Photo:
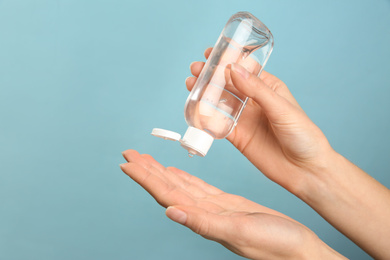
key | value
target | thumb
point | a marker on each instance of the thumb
(253, 87)
(202, 222)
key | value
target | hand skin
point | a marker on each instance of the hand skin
(282, 142)
(273, 132)
(276, 135)
(244, 227)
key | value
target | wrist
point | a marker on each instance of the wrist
(315, 248)
(326, 252)
(318, 176)
(345, 196)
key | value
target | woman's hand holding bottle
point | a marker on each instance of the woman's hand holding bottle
(273, 132)
(276, 135)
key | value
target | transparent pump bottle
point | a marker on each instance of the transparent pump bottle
(214, 104)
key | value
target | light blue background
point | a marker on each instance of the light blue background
(82, 81)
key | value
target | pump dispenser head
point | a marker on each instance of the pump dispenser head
(195, 141)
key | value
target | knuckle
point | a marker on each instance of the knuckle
(202, 227)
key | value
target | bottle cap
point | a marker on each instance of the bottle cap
(166, 134)
(195, 141)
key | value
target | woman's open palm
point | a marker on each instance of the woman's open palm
(242, 226)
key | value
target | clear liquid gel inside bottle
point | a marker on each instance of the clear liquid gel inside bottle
(214, 105)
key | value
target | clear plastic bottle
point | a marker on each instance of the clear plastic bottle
(214, 104)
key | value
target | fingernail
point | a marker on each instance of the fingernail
(176, 215)
(121, 165)
(240, 70)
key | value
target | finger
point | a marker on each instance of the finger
(277, 85)
(190, 82)
(192, 189)
(155, 164)
(252, 86)
(207, 52)
(267, 77)
(154, 167)
(161, 190)
(209, 225)
(138, 173)
(196, 67)
(151, 165)
(190, 179)
(147, 162)
(131, 155)
(149, 181)
(172, 177)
